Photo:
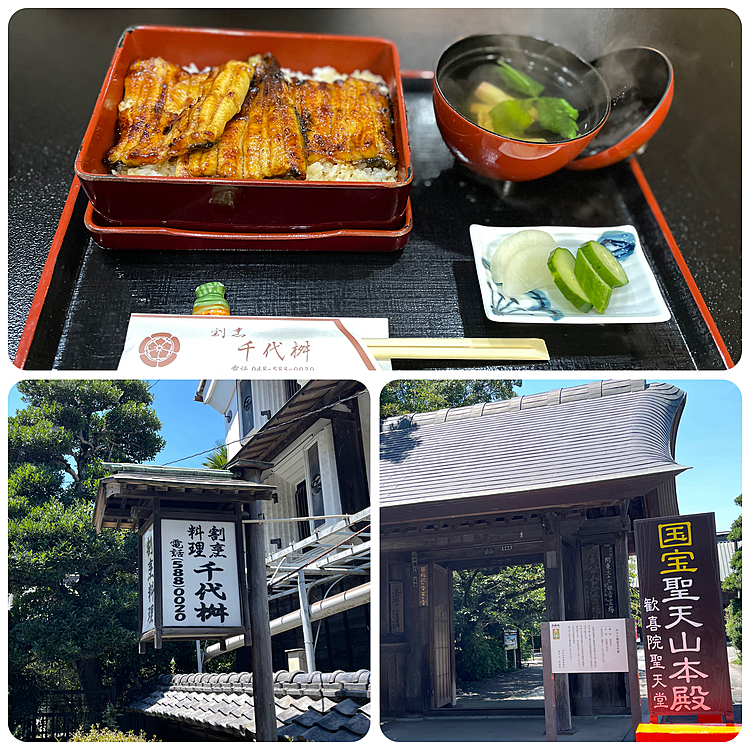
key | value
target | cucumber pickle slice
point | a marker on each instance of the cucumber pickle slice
(604, 263)
(596, 289)
(561, 264)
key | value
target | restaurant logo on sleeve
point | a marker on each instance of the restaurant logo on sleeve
(159, 349)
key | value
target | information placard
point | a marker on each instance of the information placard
(588, 646)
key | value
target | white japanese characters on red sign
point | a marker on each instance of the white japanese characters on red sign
(200, 582)
(588, 646)
(238, 346)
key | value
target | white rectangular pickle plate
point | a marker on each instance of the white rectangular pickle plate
(640, 301)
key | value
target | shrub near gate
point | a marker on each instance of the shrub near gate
(104, 734)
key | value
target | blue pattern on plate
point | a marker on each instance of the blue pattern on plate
(620, 244)
(534, 301)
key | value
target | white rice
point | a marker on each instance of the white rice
(329, 74)
(327, 171)
(320, 171)
(163, 169)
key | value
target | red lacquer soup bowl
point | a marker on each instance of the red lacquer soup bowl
(473, 61)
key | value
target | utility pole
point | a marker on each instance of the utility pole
(304, 609)
(260, 619)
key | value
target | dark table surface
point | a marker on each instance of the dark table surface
(58, 59)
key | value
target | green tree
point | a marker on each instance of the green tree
(485, 603)
(635, 597)
(733, 582)
(73, 611)
(217, 458)
(415, 396)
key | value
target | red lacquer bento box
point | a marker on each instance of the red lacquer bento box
(170, 238)
(243, 205)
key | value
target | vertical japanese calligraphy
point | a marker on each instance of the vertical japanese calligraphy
(148, 581)
(396, 594)
(422, 599)
(687, 670)
(200, 583)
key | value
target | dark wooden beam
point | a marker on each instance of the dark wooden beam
(497, 562)
(575, 609)
(555, 600)
(482, 551)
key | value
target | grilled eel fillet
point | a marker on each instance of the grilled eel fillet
(167, 111)
(346, 122)
(264, 141)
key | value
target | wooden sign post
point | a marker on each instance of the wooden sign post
(687, 669)
(201, 574)
(588, 646)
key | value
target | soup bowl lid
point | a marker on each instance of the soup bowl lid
(641, 85)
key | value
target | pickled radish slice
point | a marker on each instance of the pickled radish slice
(527, 270)
(526, 239)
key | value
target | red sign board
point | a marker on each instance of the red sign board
(687, 670)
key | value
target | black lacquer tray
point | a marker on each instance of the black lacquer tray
(80, 313)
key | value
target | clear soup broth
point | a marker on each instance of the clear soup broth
(565, 93)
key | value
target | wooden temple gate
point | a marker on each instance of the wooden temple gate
(580, 531)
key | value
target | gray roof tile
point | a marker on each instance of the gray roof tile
(316, 707)
(347, 707)
(617, 432)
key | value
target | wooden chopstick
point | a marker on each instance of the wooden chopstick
(468, 349)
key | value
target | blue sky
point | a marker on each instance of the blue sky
(708, 440)
(188, 426)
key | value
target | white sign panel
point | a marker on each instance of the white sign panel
(238, 346)
(200, 585)
(588, 646)
(148, 580)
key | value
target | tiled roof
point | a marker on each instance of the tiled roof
(310, 707)
(608, 439)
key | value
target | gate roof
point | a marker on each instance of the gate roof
(585, 445)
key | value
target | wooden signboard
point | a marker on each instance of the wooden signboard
(423, 597)
(396, 606)
(192, 582)
(687, 670)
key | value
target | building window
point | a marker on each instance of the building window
(315, 485)
(247, 421)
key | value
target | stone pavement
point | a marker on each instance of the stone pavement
(520, 691)
(522, 685)
(505, 729)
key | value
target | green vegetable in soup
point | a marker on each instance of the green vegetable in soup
(558, 116)
(527, 118)
(511, 118)
(519, 81)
